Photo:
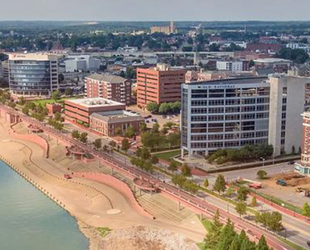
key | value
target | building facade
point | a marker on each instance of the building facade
(160, 84)
(80, 110)
(233, 66)
(233, 113)
(164, 29)
(33, 75)
(224, 114)
(82, 63)
(304, 167)
(289, 98)
(111, 87)
(109, 123)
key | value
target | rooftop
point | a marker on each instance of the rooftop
(94, 102)
(107, 78)
(272, 60)
(32, 56)
(241, 80)
(117, 116)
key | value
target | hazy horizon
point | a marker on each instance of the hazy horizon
(160, 10)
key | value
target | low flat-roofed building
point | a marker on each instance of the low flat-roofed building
(108, 123)
(79, 110)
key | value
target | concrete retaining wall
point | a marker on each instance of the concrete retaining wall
(118, 185)
(32, 138)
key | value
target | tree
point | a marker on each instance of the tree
(262, 244)
(236, 244)
(152, 107)
(214, 47)
(241, 208)
(254, 201)
(25, 110)
(145, 153)
(164, 108)
(143, 127)
(130, 132)
(83, 137)
(261, 174)
(173, 166)
(299, 150)
(56, 95)
(206, 183)
(230, 191)
(97, 143)
(214, 232)
(296, 55)
(251, 63)
(57, 116)
(220, 184)
(68, 91)
(125, 144)
(112, 144)
(306, 209)
(155, 127)
(242, 193)
(119, 131)
(275, 221)
(227, 236)
(154, 159)
(185, 170)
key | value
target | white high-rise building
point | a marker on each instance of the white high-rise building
(233, 113)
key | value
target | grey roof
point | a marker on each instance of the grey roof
(120, 117)
(238, 80)
(107, 78)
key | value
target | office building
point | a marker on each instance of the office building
(32, 75)
(224, 114)
(159, 84)
(111, 87)
(304, 167)
(233, 66)
(82, 63)
(164, 29)
(80, 110)
(110, 122)
(289, 98)
(233, 113)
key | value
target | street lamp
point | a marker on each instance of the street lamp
(263, 160)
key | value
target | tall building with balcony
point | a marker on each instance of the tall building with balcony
(110, 87)
(159, 84)
(32, 75)
(224, 114)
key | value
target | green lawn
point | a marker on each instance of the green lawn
(44, 102)
(104, 231)
(167, 155)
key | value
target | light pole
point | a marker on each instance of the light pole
(263, 160)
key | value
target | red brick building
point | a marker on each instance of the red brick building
(110, 87)
(160, 84)
(109, 123)
(79, 110)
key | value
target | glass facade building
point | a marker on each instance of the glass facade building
(224, 114)
(33, 75)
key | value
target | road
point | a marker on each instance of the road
(195, 202)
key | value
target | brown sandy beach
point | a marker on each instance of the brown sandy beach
(88, 201)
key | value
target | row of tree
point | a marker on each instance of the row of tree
(164, 108)
(82, 137)
(184, 183)
(248, 152)
(224, 237)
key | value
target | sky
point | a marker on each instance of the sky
(155, 10)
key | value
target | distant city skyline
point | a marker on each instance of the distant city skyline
(147, 10)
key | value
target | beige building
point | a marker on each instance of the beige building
(164, 29)
(289, 98)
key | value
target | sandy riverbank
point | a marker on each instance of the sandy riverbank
(86, 200)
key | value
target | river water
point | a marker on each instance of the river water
(31, 221)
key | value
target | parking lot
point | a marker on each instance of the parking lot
(160, 119)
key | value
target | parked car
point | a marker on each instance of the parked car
(147, 121)
(291, 163)
(154, 120)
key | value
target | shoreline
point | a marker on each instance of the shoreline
(89, 232)
(84, 199)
